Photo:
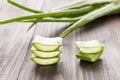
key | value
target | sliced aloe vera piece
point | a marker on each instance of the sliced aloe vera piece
(79, 56)
(89, 57)
(48, 41)
(93, 46)
(41, 61)
(46, 54)
(33, 55)
(47, 44)
(90, 49)
(43, 47)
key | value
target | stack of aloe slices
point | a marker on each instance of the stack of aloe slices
(89, 50)
(46, 51)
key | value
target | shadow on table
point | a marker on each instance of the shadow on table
(95, 67)
(46, 72)
(59, 31)
(98, 23)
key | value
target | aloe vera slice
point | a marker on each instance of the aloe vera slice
(41, 61)
(80, 56)
(90, 49)
(43, 47)
(47, 44)
(46, 54)
(89, 57)
(93, 46)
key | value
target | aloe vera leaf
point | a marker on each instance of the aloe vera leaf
(106, 10)
(23, 7)
(68, 13)
(82, 3)
(53, 20)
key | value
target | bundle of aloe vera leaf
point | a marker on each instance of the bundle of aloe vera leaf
(79, 12)
(46, 51)
(89, 50)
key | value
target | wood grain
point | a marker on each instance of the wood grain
(15, 44)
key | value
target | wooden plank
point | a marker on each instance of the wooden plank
(14, 41)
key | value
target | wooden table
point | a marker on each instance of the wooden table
(15, 44)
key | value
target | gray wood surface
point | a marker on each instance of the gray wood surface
(15, 44)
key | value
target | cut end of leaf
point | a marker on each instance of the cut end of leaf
(46, 62)
(92, 46)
